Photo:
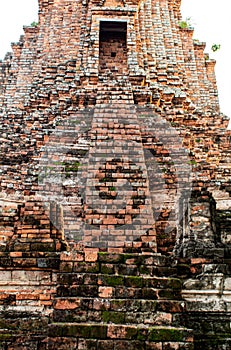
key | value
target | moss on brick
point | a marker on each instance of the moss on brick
(145, 270)
(114, 317)
(5, 336)
(110, 257)
(6, 324)
(131, 333)
(113, 280)
(78, 330)
(168, 294)
(167, 334)
(174, 283)
(118, 304)
(142, 334)
(128, 257)
(72, 330)
(107, 269)
(98, 331)
(134, 281)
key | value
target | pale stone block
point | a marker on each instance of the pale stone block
(5, 276)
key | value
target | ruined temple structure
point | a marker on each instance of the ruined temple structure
(115, 208)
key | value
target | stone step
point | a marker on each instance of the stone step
(114, 91)
(142, 305)
(39, 254)
(121, 269)
(145, 259)
(118, 280)
(129, 258)
(143, 334)
(140, 311)
(93, 336)
(117, 292)
(129, 264)
(108, 99)
(93, 344)
(123, 88)
(124, 317)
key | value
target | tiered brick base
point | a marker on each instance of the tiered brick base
(102, 301)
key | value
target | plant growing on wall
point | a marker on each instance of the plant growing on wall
(215, 47)
(185, 23)
(34, 24)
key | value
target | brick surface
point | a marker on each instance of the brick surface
(115, 183)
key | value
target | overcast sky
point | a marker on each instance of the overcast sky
(210, 18)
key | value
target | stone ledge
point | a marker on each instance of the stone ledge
(111, 331)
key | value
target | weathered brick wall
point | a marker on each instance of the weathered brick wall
(64, 92)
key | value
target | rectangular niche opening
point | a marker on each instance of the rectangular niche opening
(113, 47)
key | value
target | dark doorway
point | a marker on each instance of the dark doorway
(113, 47)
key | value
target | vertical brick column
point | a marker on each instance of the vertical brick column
(117, 203)
(210, 65)
(190, 65)
(201, 72)
(159, 42)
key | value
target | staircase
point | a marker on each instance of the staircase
(118, 301)
(124, 297)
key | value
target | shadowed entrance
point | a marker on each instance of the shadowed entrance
(113, 47)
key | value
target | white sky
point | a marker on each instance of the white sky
(210, 18)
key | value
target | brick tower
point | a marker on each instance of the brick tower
(115, 203)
